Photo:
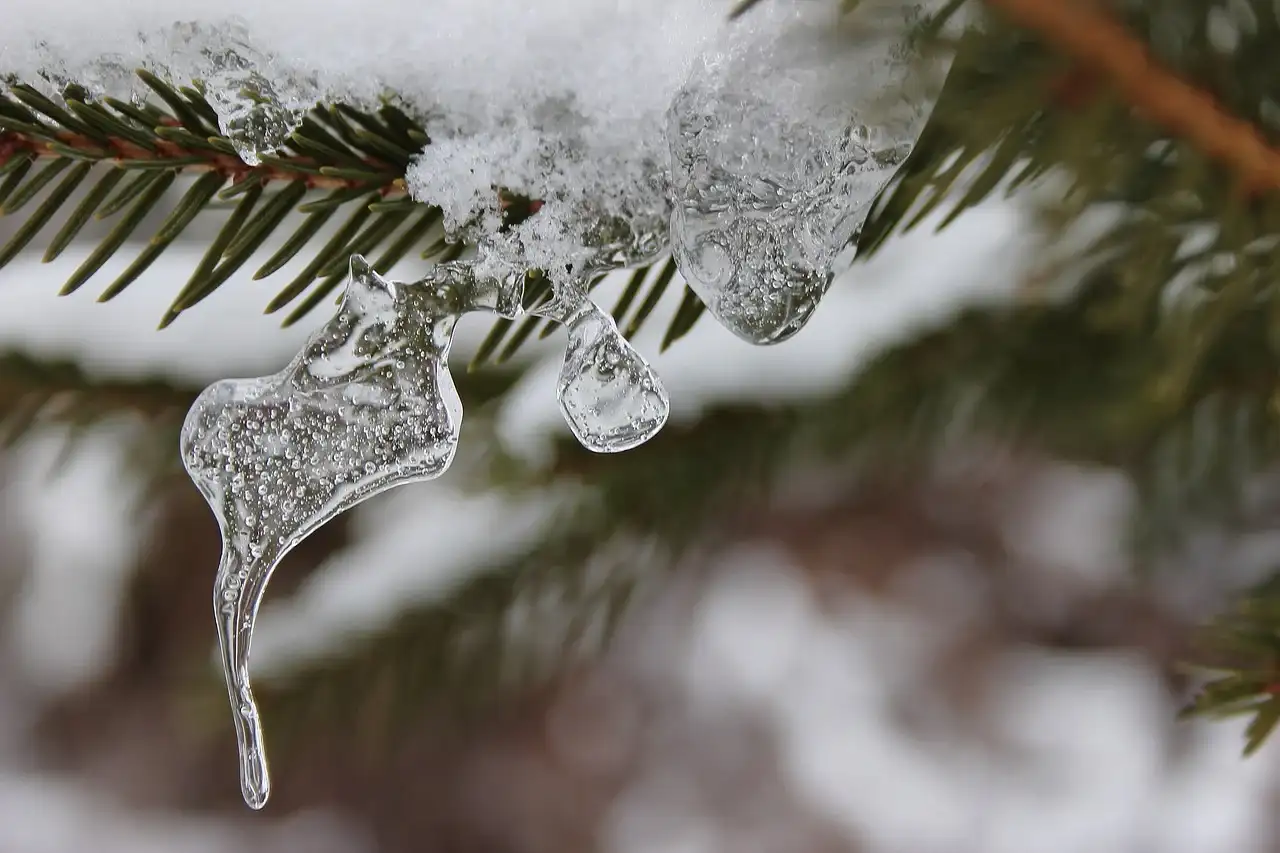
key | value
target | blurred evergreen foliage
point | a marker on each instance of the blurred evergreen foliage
(1144, 131)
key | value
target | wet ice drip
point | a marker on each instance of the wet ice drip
(368, 405)
(780, 139)
(251, 113)
(255, 114)
(609, 395)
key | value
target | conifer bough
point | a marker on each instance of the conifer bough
(994, 128)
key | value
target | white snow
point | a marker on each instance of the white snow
(471, 61)
(1074, 750)
(560, 100)
(412, 545)
(226, 335)
(1045, 517)
(66, 617)
(47, 814)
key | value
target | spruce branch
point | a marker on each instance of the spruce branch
(36, 393)
(339, 159)
(1089, 35)
(166, 153)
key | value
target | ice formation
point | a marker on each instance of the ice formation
(609, 395)
(368, 404)
(256, 114)
(753, 149)
(783, 124)
(780, 139)
(258, 101)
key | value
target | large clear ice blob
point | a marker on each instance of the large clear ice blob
(780, 139)
(368, 405)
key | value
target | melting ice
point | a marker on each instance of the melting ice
(368, 404)
(780, 139)
(256, 115)
(609, 395)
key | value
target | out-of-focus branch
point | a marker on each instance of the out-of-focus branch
(1088, 33)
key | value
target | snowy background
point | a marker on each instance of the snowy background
(966, 665)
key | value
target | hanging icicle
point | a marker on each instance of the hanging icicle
(368, 405)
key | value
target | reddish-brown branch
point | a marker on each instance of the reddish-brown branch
(1089, 35)
(13, 144)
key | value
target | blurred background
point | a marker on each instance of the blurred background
(823, 611)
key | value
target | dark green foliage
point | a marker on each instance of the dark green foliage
(156, 145)
(37, 392)
(340, 162)
(1241, 654)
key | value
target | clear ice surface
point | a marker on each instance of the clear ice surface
(780, 139)
(250, 113)
(254, 113)
(609, 395)
(367, 405)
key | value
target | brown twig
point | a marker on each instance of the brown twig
(13, 143)
(1091, 36)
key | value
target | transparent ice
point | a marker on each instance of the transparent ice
(610, 396)
(251, 114)
(258, 103)
(780, 139)
(254, 113)
(368, 404)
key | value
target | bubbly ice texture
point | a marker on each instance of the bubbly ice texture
(780, 139)
(368, 405)
(609, 395)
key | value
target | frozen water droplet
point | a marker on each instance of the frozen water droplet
(780, 139)
(610, 396)
(365, 429)
(251, 114)
(255, 113)
(256, 128)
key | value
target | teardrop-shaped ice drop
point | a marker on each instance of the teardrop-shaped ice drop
(780, 139)
(368, 405)
(610, 396)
